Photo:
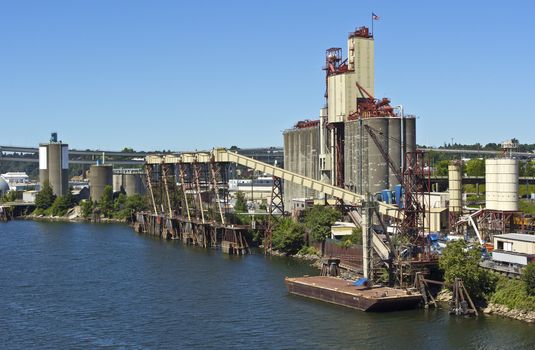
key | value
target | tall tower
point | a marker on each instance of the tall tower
(54, 165)
(341, 98)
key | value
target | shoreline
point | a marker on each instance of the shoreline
(313, 260)
(77, 219)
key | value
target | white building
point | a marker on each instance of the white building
(15, 179)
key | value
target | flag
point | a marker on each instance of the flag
(375, 17)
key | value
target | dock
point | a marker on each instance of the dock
(344, 293)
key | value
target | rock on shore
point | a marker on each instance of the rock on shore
(502, 310)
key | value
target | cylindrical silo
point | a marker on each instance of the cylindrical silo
(54, 166)
(410, 133)
(491, 184)
(507, 184)
(100, 176)
(118, 185)
(133, 184)
(394, 148)
(454, 181)
(377, 164)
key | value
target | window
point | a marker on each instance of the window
(500, 245)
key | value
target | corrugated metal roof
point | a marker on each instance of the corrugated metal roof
(517, 237)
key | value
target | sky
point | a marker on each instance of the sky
(192, 75)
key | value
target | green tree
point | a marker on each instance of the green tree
(106, 201)
(45, 197)
(10, 196)
(442, 168)
(241, 203)
(87, 208)
(318, 221)
(60, 206)
(475, 167)
(460, 261)
(528, 277)
(288, 236)
(136, 203)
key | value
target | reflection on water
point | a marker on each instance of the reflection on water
(103, 286)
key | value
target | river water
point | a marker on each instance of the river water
(91, 286)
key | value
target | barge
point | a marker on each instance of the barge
(345, 293)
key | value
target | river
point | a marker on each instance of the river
(92, 286)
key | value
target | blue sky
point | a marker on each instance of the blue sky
(198, 74)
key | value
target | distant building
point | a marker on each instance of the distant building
(15, 178)
(258, 188)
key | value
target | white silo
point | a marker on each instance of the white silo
(454, 184)
(501, 184)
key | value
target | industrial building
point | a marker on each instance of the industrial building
(54, 165)
(339, 148)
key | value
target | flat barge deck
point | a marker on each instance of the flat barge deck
(337, 291)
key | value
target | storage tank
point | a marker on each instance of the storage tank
(501, 184)
(118, 182)
(100, 176)
(455, 181)
(54, 166)
(377, 165)
(394, 148)
(133, 184)
(491, 184)
(507, 184)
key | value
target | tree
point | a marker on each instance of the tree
(442, 168)
(87, 208)
(528, 277)
(241, 203)
(45, 198)
(10, 196)
(288, 236)
(458, 260)
(60, 206)
(136, 203)
(318, 221)
(475, 167)
(106, 201)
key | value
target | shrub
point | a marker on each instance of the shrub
(288, 236)
(308, 250)
(513, 294)
(528, 277)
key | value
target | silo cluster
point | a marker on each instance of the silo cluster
(366, 169)
(128, 182)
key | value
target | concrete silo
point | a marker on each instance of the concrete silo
(100, 176)
(54, 165)
(133, 184)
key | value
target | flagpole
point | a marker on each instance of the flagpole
(372, 24)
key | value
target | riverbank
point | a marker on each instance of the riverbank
(73, 215)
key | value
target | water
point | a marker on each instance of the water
(84, 286)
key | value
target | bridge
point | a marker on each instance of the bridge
(478, 152)
(137, 158)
